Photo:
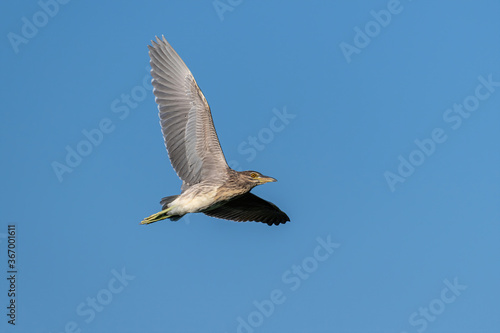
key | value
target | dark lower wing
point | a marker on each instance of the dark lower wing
(249, 207)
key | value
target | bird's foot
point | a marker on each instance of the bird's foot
(158, 216)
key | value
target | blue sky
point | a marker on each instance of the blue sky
(378, 118)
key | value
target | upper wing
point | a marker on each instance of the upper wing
(186, 121)
(249, 207)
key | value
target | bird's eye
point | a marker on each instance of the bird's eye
(253, 175)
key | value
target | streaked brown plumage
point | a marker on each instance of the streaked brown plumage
(209, 185)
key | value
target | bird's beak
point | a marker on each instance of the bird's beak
(265, 179)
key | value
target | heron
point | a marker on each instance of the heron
(209, 185)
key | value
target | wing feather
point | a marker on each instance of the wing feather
(249, 207)
(185, 118)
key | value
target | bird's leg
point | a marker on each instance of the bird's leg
(158, 216)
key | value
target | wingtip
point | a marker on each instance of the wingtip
(277, 221)
(157, 41)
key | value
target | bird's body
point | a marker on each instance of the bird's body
(207, 195)
(195, 200)
(209, 185)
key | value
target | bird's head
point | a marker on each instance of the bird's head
(256, 178)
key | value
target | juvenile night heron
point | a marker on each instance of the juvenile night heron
(209, 185)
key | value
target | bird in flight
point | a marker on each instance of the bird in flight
(209, 185)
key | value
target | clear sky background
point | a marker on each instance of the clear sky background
(386, 151)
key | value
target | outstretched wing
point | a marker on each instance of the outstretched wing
(249, 207)
(185, 118)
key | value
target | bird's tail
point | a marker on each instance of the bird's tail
(165, 201)
(164, 213)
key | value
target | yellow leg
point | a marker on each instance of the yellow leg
(157, 217)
